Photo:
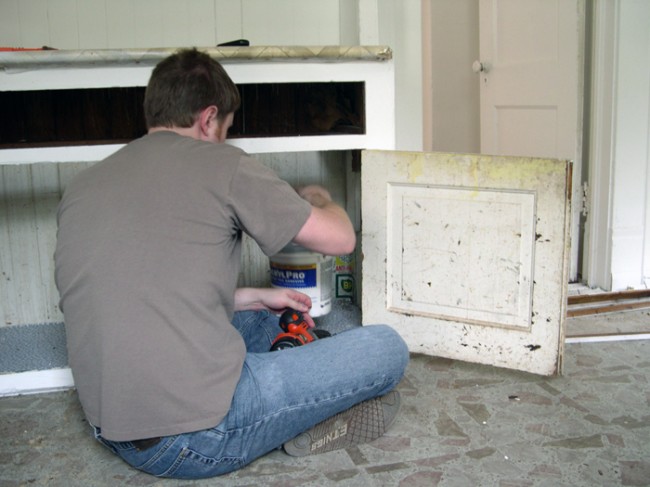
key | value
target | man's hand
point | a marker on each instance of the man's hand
(275, 300)
(316, 195)
(328, 230)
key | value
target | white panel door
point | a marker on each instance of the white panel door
(530, 82)
(467, 255)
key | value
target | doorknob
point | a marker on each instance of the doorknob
(479, 67)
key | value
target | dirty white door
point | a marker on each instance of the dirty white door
(467, 255)
(531, 74)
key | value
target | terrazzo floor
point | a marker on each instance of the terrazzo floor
(460, 425)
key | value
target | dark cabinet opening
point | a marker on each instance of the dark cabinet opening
(114, 115)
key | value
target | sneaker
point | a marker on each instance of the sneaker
(362, 423)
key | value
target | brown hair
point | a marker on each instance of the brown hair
(185, 83)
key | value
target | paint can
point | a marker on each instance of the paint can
(309, 272)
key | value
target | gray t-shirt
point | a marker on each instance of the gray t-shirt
(147, 261)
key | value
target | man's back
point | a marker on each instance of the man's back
(147, 263)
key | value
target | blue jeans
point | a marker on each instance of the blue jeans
(279, 395)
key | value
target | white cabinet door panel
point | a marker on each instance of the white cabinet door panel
(466, 255)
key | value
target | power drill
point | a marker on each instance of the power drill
(296, 331)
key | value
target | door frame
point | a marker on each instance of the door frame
(590, 253)
(599, 134)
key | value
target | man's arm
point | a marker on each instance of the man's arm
(275, 300)
(328, 230)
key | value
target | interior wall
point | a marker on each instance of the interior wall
(101, 24)
(452, 36)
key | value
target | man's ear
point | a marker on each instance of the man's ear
(207, 119)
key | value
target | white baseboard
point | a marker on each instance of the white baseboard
(36, 382)
(608, 338)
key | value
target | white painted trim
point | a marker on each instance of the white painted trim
(57, 154)
(368, 22)
(88, 153)
(36, 382)
(378, 77)
(609, 338)
(427, 76)
(598, 240)
(579, 160)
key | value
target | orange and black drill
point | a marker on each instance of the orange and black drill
(295, 331)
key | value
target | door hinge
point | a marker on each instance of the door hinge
(584, 203)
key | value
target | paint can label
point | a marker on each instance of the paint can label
(293, 276)
(344, 276)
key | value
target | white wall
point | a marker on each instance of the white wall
(98, 24)
(453, 121)
(630, 217)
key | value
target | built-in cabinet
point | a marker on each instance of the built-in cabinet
(306, 112)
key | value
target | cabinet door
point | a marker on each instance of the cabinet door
(467, 255)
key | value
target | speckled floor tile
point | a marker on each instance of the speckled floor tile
(461, 425)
